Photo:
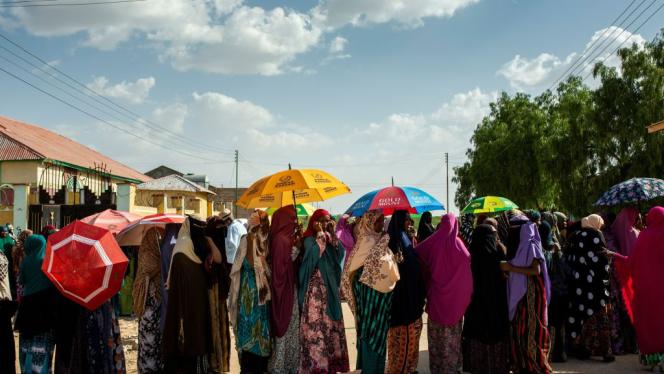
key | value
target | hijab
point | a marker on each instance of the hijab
(466, 229)
(641, 279)
(284, 277)
(344, 232)
(624, 231)
(451, 283)
(395, 229)
(425, 228)
(593, 221)
(184, 245)
(529, 250)
(148, 272)
(5, 290)
(315, 217)
(19, 251)
(31, 276)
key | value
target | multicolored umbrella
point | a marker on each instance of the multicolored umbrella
(632, 191)
(111, 220)
(133, 234)
(303, 210)
(301, 185)
(394, 198)
(489, 204)
(85, 264)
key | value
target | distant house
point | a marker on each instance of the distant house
(224, 198)
(46, 178)
(174, 194)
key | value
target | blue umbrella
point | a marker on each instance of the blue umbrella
(632, 191)
(394, 198)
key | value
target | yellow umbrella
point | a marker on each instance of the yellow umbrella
(285, 187)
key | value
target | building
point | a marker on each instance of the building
(171, 194)
(224, 198)
(46, 178)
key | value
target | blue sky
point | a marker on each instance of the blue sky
(365, 89)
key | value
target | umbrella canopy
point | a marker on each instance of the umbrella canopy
(85, 264)
(133, 234)
(303, 210)
(394, 198)
(632, 191)
(489, 204)
(276, 190)
(111, 220)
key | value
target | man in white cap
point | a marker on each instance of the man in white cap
(234, 234)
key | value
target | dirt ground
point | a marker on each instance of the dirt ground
(623, 364)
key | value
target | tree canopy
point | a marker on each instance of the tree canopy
(563, 149)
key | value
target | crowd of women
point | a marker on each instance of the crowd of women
(506, 293)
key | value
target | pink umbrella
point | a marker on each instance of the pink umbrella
(111, 220)
(133, 234)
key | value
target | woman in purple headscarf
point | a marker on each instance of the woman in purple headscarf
(528, 296)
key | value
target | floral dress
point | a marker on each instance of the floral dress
(253, 323)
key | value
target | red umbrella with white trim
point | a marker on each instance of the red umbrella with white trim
(85, 264)
(133, 234)
(112, 220)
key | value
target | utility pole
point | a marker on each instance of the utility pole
(237, 163)
(447, 181)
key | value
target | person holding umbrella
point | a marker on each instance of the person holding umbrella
(408, 300)
(319, 300)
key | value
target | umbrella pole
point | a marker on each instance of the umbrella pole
(297, 218)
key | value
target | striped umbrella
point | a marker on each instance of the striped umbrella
(133, 234)
(111, 220)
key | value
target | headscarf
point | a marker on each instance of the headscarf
(466, 229)
(530, 249)
(5, 290)
(149, 263)
(486, 318)
(503, 226)
(318, 214)
(31, 276)
(48, 230)
(256, 243)
(546, 235)
(19, 251)
(371, 252)
(396, 230)
(425, 228)
(344, 232)
(552, 220)
(593, 221)
(624, 231)
(533, 215)
(561, 220)
(451, 283)
(185, 246)
(641, 280)
(284, 277)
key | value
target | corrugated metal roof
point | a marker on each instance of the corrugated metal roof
(172, 183)
(12, 150)
(41, 143)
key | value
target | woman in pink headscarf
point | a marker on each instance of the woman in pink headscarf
(449, 288)
(642, 278)
(625, 230)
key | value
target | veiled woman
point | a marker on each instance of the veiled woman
(403, 339)
(449, 286)
(322, 334)
(369, 278)
(249, 296)
(284, 310)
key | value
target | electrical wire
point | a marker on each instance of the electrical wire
(58, 4)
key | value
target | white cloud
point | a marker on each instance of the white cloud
(338, 45)
(133, 92)
(217, 111)
(337, 13)
(534, 74)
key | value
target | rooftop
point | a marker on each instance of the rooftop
(173, 182)
(22, 141)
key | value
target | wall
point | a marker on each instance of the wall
(21, 172)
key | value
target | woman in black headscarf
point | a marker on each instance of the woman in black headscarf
(425, 229)
(486, 322)
(403, 339)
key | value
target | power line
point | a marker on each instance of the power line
(103, 100)
(624, 41)
(58, 4)
(96, 117)
(584, 57)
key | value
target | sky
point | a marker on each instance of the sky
(364, 89)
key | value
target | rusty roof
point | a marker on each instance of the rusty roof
(22, 141)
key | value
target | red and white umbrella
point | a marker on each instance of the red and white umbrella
(85, 264)
(111, 220)
(133, 234)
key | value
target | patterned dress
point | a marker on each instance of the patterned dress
(530, 336)
(404, 348)
(36, 353)
(149, 335)
(253, 323)
(286, 356)
(322, 340)
(444, 347)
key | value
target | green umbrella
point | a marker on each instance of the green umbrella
(303, 210)
(489, 204)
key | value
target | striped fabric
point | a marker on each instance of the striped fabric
(372, 315)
